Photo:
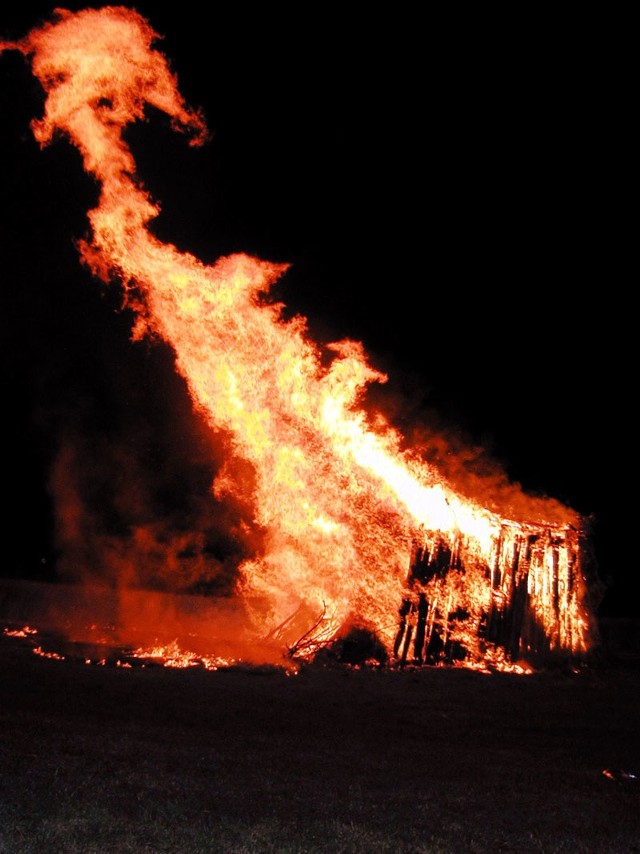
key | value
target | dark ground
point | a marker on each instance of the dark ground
(102, 758)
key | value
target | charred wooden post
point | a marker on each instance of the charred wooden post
(421, 627)
(402, 627)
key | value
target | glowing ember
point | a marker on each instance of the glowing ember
(25, 632)
(345, 508)
(44, 654)
(170, 655)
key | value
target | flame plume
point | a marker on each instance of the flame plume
(339, 498)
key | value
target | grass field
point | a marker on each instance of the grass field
(152, 759)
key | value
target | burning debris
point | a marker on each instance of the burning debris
(336, 506)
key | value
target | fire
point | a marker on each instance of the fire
(24, 632)
(38, 650)
(172, 655)
(345, 508)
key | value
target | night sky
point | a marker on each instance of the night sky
(450, 193)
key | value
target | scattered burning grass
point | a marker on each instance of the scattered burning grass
(333, 759)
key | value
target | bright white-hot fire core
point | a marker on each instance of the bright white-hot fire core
(340, 498)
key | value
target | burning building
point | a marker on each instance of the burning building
(347, 524)
(519, 603)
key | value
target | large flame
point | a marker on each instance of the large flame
(340, 498)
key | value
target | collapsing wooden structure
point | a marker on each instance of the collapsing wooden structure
(531, 600)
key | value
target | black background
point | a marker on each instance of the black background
(451, 191)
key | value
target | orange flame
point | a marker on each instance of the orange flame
(172, 655)
(24, 632)
(340, 501)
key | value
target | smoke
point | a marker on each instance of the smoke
(133, 496)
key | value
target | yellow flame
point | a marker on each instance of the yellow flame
(339, 502)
